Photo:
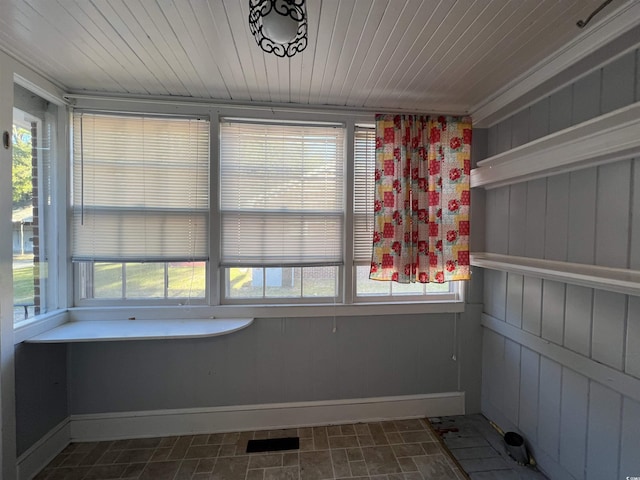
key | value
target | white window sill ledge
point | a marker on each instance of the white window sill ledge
(121, 330)
(122, 323)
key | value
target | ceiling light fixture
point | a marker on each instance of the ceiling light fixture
(279, 26)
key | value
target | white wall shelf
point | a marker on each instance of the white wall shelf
(607, 138)
(119, 330)
(618, 280)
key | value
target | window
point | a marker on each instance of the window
(282, 210)
(364, 183)
(142, 196)
(33, 214)
(140, 207)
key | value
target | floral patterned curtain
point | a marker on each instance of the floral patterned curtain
(422, 197)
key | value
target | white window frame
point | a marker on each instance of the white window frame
(347, 303)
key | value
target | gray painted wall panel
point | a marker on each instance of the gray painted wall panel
(618, 79)
(536, 210)
(603, 434)
(478, 226)
(573, 422)
(560, 104)
(517, 219)
(514, 299)
(549, 407)
(273, 360)
(582, 218)
(577, 323)
(529, 376)
(41, 391)
(630, 443)
(539, 119)
(637, 99)
(634, 256)
(557, 217)
(532, 305)
(612, 227)
(493, 369)
(497, 231)
(602, 221)
(609, 311)
(492, 145)
(586, 97)
(511, 390)
(495, 293)
(632, 361)
(504, 135)
(520, 128)
(553, 311)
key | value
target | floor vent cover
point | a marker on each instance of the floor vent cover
(273, 444)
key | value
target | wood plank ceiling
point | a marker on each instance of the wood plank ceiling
(418, 55)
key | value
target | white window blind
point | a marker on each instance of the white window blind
(281, 194)
(140, 188)
(364, 171)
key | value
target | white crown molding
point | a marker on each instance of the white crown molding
(620, 280)
(594, 37)
(607, 138)
(155, 423)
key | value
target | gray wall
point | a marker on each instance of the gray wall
(281, 360)
(579, 425)
(41, 391)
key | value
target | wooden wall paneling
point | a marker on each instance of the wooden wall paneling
(573, 422)
(612, 220)
(520, 128)
(634, 254)
(536, 213)
(582, 216)
(577, 322)
(539, 119)
(497, 229)
(477, 218)
(504, 135)
(553, 302)
(493, 368)
(514, 299)
(603, 435)
(511, 387)
(517, 219)
(532, 305)
(609, 313)
(632, 360)
(549, 407)
(629, 458)
(529, 389)
(637, 99)
(618, 83)
(586, 97)
(560, 104)
(495, 293)
(492, 147)
(557, 217)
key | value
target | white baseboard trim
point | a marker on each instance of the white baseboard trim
(44, 450)
(158, 423)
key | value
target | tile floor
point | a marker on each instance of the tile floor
(393, 450)
(480, 449)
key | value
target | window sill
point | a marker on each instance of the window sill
(124, 330)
